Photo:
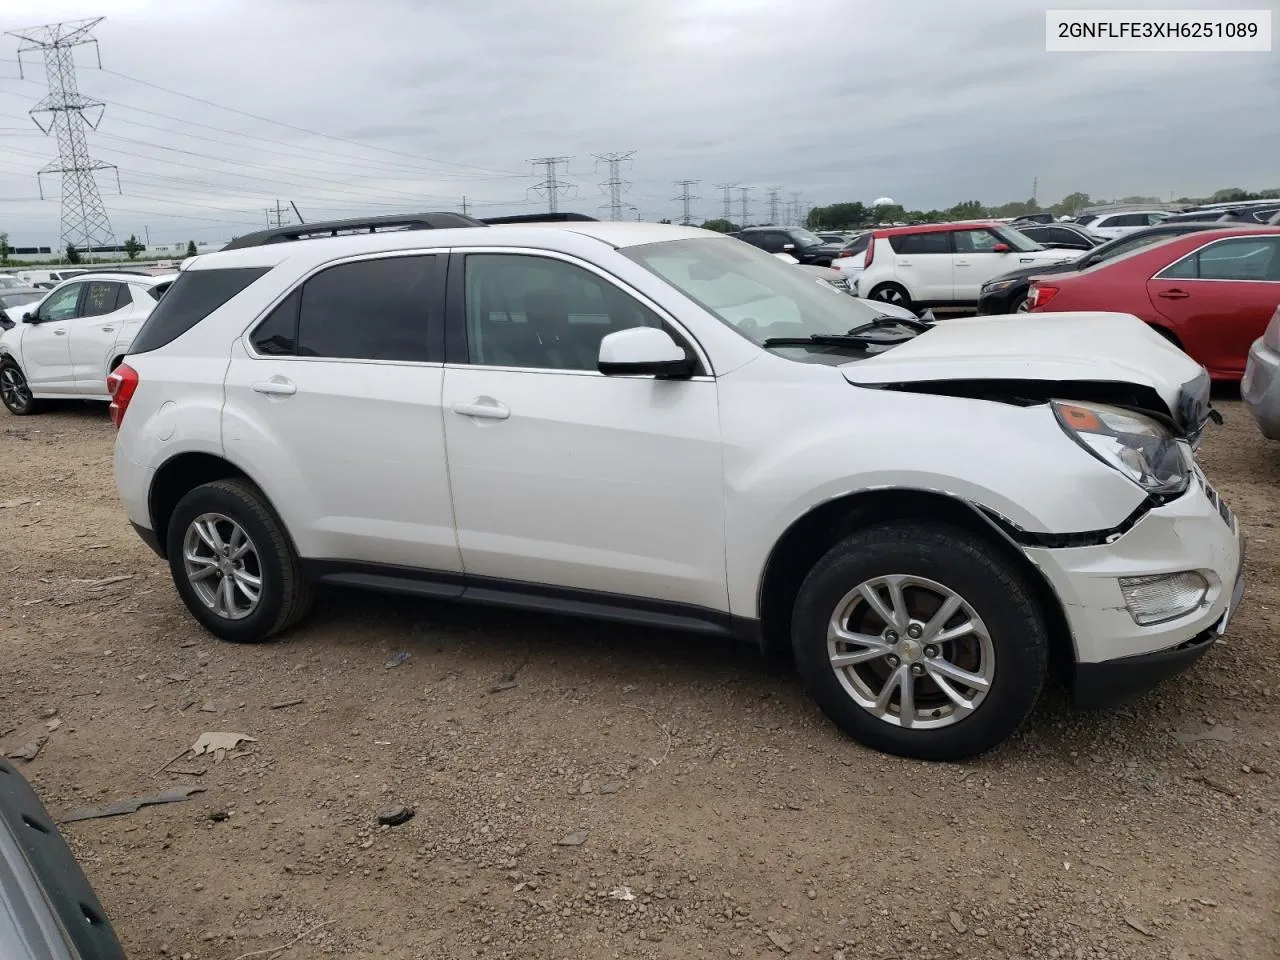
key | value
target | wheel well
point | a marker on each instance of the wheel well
(176, 478)
(809, 538)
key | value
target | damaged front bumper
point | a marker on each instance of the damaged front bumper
(1115, 656)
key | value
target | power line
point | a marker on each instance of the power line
(728, 188)
(84, 222)
(774, 202)
(685, 199)
(615, 186)
(552, 186)
(744, 194)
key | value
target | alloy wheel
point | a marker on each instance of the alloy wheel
(222, 565)
(13, 388)
(911, 652)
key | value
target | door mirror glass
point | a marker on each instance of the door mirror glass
(643, 351)
(1000, 248)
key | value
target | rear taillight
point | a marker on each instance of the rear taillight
(121, 383)
(871, 253)
(1041, 295)
(844, 253)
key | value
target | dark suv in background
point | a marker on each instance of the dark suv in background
(798, 242)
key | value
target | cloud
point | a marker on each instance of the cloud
(929, 101)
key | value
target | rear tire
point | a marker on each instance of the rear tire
(233, 563)
(15, 391)
(990, 650)
(891, 293)
(1021, 305)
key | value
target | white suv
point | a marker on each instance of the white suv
(64, 346)
(661, 425)
(1108, 226)
(942, 264)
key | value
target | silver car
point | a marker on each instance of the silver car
(1260, 388)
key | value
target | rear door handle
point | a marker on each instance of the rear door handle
(961, 263)
(483, 408)
(1174, 294)
(275, 387)
(61, 332)
(107, 329)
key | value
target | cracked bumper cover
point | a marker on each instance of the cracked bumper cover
(1115, 657)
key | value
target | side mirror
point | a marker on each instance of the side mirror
(788, 247)
(1000, 248)
(30, 318)
(643, 351)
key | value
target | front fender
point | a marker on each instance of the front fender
(1015, 462)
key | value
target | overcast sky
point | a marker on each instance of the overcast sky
(926, 101)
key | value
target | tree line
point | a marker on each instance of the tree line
(844, 216)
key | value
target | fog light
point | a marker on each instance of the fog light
(1164, 596)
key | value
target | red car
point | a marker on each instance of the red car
(1211, 293)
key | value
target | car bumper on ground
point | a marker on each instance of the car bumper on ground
(1115, 656)
(1260, 388)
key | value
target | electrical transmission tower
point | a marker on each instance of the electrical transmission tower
(744, 195)
(728, 189)
(551, 186)
(774, 202)
(615, 186)
(685, 199)
(85, 224)
(795, 218)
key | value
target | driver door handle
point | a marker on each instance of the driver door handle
(60, 332)
(482, 408)
(107, 329)
(1174, 294)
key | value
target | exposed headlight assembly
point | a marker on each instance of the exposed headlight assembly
(1139, 447)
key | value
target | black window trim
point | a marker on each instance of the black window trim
(1275, 237)
(456, 348)
(435, 312)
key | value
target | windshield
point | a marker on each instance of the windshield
(762, 297)
(805, 238)
(10, 282)
(1017, 239)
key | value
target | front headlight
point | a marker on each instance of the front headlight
(1138, 446)
(995, 285)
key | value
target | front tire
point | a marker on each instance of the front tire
(15, 392)
(233, 564)
(918, 640)
(891, 293)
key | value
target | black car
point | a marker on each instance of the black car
(1245, 213)
(1064, 236)
(1007, 293)
(805, 246)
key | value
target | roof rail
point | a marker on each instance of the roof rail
(336, 228)
(540, 218)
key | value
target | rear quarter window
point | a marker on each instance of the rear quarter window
(191, 298)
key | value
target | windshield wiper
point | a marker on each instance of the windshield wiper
(823, 340)
(884, 320)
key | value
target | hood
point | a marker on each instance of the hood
(1041, 269)
(1018, 358)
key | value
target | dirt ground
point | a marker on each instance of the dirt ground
(722, 815)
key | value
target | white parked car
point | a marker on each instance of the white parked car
(660, 425)
(44, 278)
(1108, 226)
(65, 345)
(942, 264)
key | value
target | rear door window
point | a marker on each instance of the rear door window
(99, 298)
(368, 310)
(936, 241)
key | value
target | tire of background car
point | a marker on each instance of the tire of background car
(220, 509)
(1019, 304)
(932, 566)
(15, 391)
(891, 293)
